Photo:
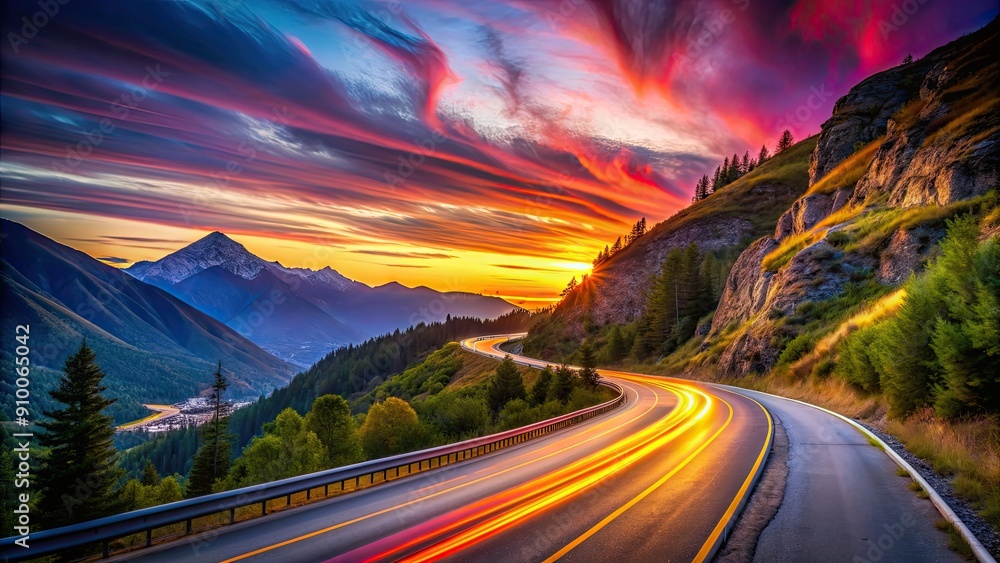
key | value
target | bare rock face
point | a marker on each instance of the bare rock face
(906, 252)
(900, 258)
(746, 287)
(751, 352)
(808, 211)
(861, 116)
(951, 150)
(815, 273)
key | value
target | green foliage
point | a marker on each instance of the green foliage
(941, 347)
(681, 293)
(137, 495)
(211, 463)
(428, 377)
(618, 345)
(454, 416)
(171, 452)
(564, 384)
(330, 419)
(855, 364)
(515, 413)
(542, 387)
(583, 397)
(505, 385)
(77, 477)
(588, 366)
(798, 347)
(391, 427)
(353, 370)
(150, 477)
(288, 448)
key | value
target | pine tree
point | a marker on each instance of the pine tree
(212, 461)
(745, 164)
(616, 246)
(616, 344)
(564, 384)
(784, 142)
(150, 477)
(716, 180)
(734, 169)
(540, 390)
(569, 287)
(724, 174)
(762, 156)
(505, 385)
(588, 366)
(700, 190)
(78, 477)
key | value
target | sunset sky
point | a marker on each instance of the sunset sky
(491, 147)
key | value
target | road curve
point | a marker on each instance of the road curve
(843, 498)
(655, 480)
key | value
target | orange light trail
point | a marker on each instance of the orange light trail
(502, 511)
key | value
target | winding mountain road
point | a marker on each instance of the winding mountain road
(658, 479)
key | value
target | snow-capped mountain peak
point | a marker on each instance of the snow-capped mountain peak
(217, 249)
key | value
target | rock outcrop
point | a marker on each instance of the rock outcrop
(940, 118)
(746, 287)
(808, 211)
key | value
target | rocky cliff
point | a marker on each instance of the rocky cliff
(905, 150)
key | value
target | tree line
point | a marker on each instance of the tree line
(734, 168)
(638, 229)
(80, 478)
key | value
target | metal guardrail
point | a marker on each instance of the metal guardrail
(104, 530)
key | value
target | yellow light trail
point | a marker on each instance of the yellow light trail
(507, 509)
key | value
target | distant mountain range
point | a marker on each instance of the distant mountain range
(298, 314)
(153, 347)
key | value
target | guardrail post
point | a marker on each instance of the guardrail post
(308, 494)
(232, 515)
(263, 507)
(187, 527)
(288, 499)
(104, 549)
(149, 537)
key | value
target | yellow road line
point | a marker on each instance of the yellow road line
(649, 490)
(432, 495)
(721, 526)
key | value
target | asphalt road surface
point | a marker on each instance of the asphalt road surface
(654, 480)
